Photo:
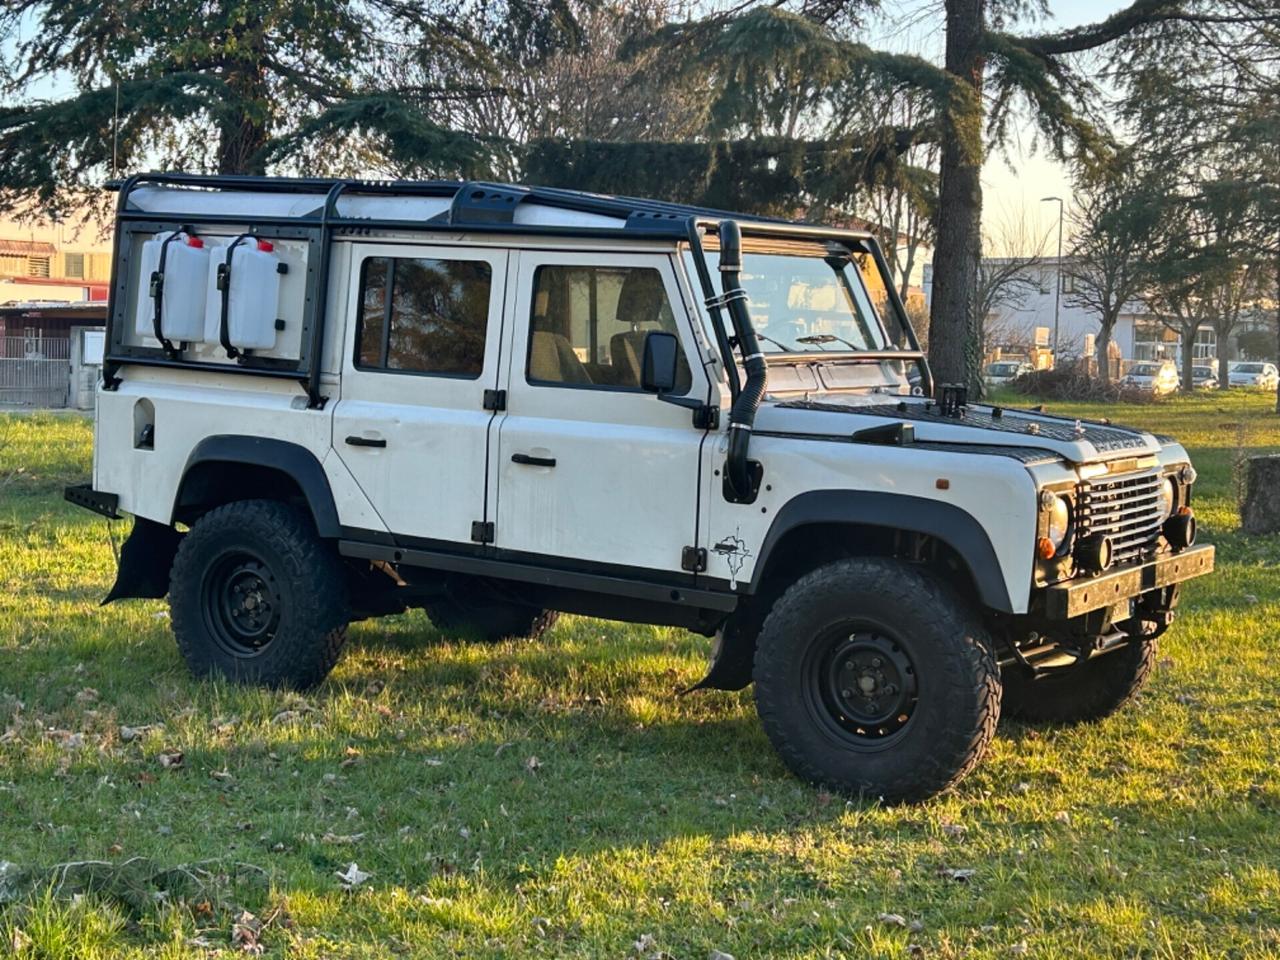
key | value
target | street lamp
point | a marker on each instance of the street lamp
(1057, 293)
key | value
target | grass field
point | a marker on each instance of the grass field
(559, 800)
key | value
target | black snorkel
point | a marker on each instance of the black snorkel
(741, 475)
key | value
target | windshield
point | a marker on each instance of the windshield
(1145, 370)
(1202, 372)
(1248, 368)
(811, 303)
(1002, 369)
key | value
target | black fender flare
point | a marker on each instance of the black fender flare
(953, 525)
(294, 461)
(734, 649)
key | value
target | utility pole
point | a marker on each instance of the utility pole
(1057, 291)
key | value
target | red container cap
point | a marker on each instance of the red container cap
(266, 246)
(195, 242)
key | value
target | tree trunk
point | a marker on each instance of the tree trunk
(1102, 346)
(1278, 322)
(955, 352)
(1189, 356)
(1224, 361)
(243, 131)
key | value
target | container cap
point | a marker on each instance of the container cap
(195, 242)
(266, 246)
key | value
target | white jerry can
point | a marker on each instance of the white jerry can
(250, 287)
(186, 274)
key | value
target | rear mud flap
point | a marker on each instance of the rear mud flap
(145, 560)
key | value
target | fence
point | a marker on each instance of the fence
(35, 371)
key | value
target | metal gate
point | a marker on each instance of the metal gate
(35, 371)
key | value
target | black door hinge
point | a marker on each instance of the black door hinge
(495, 399)
(706, 418)
(693, 559)
(482, 531)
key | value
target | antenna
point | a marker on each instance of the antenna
(115, 134)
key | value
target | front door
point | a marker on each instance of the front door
(421, 350)
(591, 469)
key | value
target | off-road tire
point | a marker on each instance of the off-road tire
(957, 680)
(489, 621)
(300, 573)
(1082, 693)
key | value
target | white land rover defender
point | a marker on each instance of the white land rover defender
(324, 400)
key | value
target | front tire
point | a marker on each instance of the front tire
(1085, 692)
(255, 596)
(876, 679)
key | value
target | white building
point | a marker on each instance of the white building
(1026, 318)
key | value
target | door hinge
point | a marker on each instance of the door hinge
(706, 417)
(693, 559)
(495, 399)
(482, 531)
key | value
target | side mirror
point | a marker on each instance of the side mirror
(661, 355)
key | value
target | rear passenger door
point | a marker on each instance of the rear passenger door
(591, 469)
(422, 347)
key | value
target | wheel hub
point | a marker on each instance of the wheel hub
(242, 606)
(866, 685)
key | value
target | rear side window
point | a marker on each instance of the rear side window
(419, 315)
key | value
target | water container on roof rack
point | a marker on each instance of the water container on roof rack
(176, 266)
(244, 286)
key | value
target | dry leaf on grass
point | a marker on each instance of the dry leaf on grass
(171, 759)
(352, 877)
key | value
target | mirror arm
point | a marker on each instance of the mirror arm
(705, 417)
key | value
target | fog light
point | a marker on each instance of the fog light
(1094, 553)
(1180, 529)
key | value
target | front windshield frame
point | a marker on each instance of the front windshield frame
(851, 324)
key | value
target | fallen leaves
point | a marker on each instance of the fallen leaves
(171, 759)
(352, 877)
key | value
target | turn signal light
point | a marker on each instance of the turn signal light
(1046, 549)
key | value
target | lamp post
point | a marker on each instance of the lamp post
(1057, 292)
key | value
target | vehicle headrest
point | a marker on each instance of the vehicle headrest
(642, 297)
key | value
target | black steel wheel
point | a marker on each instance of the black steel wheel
(242, 603)
(257, 597)
(877, 679)
(862, 685)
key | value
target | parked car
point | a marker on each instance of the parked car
(1203, 378)
(328, 400)
(1005, 371)
(1158, 376)
(1250, 373)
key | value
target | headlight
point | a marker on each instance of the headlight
(1059, 520)
(1168, 495)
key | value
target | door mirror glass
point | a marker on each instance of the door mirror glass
(661, 357)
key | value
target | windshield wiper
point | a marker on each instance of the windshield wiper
(821, 338)
(781, 346)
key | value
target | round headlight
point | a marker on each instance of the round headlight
(1168, 495)
(1059, 521)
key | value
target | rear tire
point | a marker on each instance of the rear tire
(875, 679)
(1082, 693)
(489, 619)
(257, 597)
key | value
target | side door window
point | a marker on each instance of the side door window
(589, 324)
(424, 345)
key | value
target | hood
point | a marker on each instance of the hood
(832, 414)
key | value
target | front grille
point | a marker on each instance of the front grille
(1126, 509)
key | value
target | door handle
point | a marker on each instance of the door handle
(366, 441)
(528, 461)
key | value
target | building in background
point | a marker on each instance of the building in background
(1024, 319)
(51, 264)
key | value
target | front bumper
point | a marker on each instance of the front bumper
(1074, 597)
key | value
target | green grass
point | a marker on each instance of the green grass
(646, 817)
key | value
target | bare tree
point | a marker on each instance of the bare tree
(1007, 278)
(1113, 226)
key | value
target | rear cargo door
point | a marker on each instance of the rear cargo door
(421, 350)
